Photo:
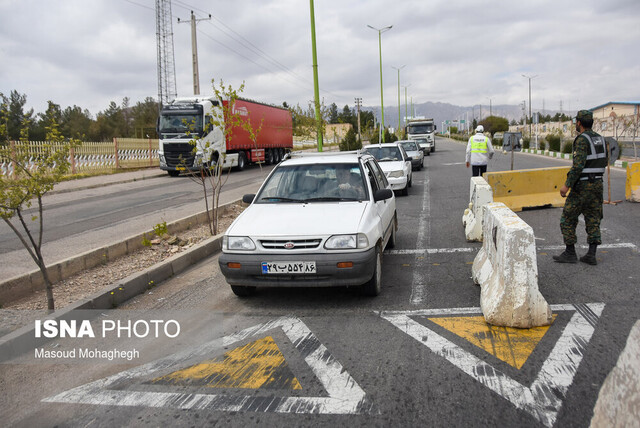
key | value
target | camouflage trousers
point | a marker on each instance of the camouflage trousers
(586, 199)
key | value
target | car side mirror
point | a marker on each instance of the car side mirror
(409, 158)
(382, 194)
(247, 199)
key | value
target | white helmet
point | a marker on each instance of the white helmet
(480, 128)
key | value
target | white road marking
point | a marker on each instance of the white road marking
(344, 394)
(420, 277)
(423, 251)
(544, 398)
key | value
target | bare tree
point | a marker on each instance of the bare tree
(33, 174)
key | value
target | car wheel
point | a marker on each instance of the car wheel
(410, 180)
(392, 239)
(405, 191)
(433, 149)
(374, 285)
(428, 152)
(242, 291)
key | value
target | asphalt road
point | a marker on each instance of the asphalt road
(83, 220)
(413, 356)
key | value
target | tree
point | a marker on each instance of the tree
(145, 115)
(346, 116)
(75, 122)
(493, 124)
(227, 121)
(34, 174)
(333, 113)
(350, 141)
(16, 115)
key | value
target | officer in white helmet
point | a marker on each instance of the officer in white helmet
(479, 151)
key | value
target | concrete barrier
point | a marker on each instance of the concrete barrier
(618, 402)
(480, 195)
(507, 271)
(632, 190)
(528, 188)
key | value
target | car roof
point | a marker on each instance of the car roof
(394, 144)
(303, 158)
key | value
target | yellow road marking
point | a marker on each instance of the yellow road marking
(259, 364)
(511, 345)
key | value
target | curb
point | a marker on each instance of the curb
(97, 185)
(23, 339)
(25, 284)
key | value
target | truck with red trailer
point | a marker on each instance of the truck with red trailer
(191, 136)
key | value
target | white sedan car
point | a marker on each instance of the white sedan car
(318, 220)
(395, 163)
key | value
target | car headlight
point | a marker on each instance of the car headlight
(396, 174)
(347, 242)
(238, 243)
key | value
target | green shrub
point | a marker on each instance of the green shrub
(567, 147)
(526, 142)
(497, 142)
(543, 145)
(554, 142)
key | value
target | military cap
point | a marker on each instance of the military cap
(584, 114)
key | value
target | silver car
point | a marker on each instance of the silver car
(413, 150)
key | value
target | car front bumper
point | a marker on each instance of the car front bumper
(327, 274)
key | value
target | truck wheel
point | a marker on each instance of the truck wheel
(173, 173)
(242, 161)
(374, 285)
(280, 154)
(269, 157)
(242, 291)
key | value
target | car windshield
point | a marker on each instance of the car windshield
(385, 154)
(410, 146)
(420, 129)
(314, 183)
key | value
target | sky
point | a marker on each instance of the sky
(91, 52)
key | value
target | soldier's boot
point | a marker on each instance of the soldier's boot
(568, 256)
(590, 257)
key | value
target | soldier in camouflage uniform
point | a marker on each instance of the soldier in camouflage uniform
(585, 181)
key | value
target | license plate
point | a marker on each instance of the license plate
(289, 267)
(181, 168)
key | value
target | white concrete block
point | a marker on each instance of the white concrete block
(481, 194)
(507, 270)
(618, 402)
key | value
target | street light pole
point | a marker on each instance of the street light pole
(380, 31)
(530, 118)
(316, 91)
(399, 68)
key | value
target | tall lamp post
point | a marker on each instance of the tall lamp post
(380, 31)
(399, 68)
(530, 118)
(316, 91)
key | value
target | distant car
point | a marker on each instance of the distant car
(414, 152)
(395, 163)
(426, 146)
(318, 220)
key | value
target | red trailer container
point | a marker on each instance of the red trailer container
(274, 130)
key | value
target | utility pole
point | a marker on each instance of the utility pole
(316, 89)
(399, 68)
(194, 51)
(380, 31)
(358, 103)
(530, 117)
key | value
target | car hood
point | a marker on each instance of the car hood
(391, 165)
(285, 219)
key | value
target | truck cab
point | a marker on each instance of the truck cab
(424, 132)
